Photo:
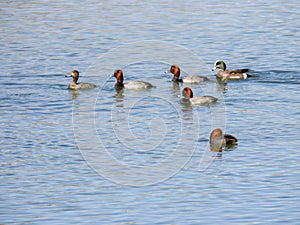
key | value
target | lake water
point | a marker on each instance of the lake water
(141, 157)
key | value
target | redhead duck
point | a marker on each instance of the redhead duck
(218, 140)
(75, 86)
(175, 70)
(198, 100)
(229, 74)
(118, 74)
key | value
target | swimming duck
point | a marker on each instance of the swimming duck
(219, 140)
(198, 100)
(229, 74)
(75, 86)
(175, 70)
(135, 84)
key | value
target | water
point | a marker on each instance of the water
(153, 167)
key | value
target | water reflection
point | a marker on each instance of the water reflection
(222, 87)
(119, 96)
(176, 89)
(74, 93)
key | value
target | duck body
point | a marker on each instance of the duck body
(202, 100)
(218, 140)
(197, 100)
(229, 140)
(229, 74)
(74, 85)
(232, 74)
(194, 79)
(175, 70)
(134, 85)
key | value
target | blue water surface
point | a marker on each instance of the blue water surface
(47, 172)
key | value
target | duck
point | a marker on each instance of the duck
(135, 84)
(218, 140)
(198, 100)
(74, 85)
(175, 70)
(229, 74)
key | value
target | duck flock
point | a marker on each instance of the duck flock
(218, 140)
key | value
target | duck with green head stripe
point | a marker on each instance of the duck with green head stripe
(229, 74)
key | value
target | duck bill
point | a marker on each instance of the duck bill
(167, 71)
(214, 68)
